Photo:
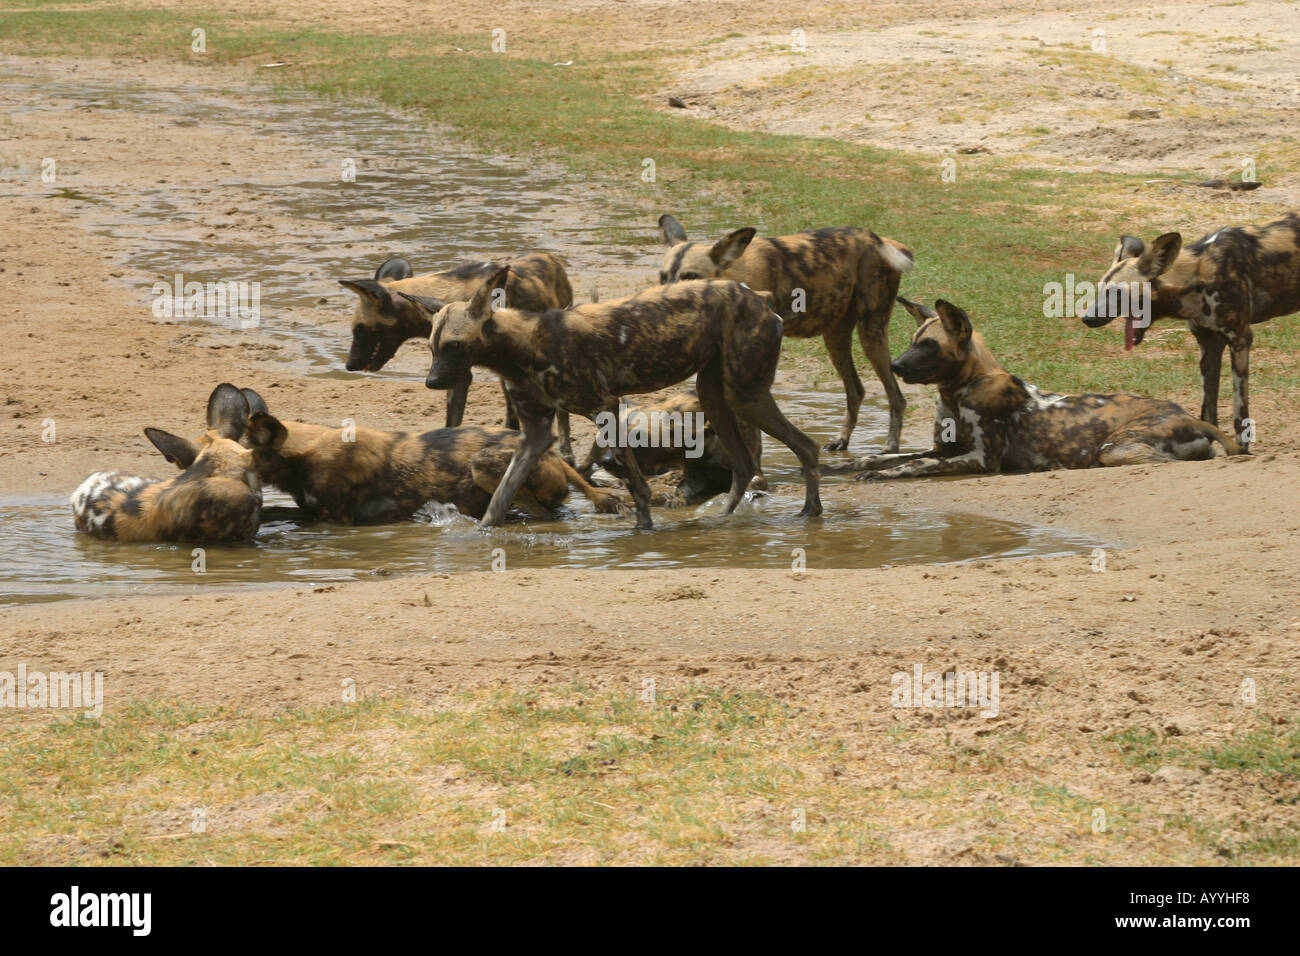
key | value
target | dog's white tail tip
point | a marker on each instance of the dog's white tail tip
(897, 259)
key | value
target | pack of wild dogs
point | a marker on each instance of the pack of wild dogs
(719, 313)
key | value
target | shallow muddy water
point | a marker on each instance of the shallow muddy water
(423, 194)
(43, 560)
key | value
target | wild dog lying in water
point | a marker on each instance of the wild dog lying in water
(705, 468)
(825, 282)
(987, 420)
(364, 476)
(383, 320)
(1221, 285)
(216, 498)
(585, 358)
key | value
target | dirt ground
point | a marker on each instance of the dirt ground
(1198, 593)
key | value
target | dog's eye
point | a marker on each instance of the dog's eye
(688, 276)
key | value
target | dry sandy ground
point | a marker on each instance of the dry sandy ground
(1054, 82)
(1198, 595)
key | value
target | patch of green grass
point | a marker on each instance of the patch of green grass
(1270, 749)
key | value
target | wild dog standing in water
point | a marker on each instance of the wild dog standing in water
(825, 282)
(705, 469)
(987, 420)
(1221, 285)
(585, 358)
(217, 498)
(366, 476)
(383, 320)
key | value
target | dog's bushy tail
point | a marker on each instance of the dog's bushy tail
(896, 255)
(606, 502)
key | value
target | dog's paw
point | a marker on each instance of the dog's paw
(836, 444)
(608, 504)
(867, 476)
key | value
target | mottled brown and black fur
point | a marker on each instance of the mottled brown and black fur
(217, 498)
(704, 475)
(988, 420)
(366, 476)
(1226, 282)
(824, 282)
(585, 358)
(382, 319)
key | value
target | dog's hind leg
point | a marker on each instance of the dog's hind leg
(457, 396)
(762, 410)
(708, 385)
(839, 344)
(873, 333)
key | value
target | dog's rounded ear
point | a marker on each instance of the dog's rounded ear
(425, 302)
(1130, 247)
(491, 295)
(265, 433)
(922, 313)
(955, 321)
(181, 452)
(1164, 250)
(227, 411)
(394, 267)
(729, 248)
(256, 404)
(671, 230)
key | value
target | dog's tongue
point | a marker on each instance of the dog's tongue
(1130, 333)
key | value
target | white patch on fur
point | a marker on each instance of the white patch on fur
(895, 259)
(1040, 400)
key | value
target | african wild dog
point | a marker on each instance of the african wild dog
(1221, 285)
(383, 320)
(364, 476)
(216, 498)
(825, 282)
(987, 420)
(704, 473)
(585, 358)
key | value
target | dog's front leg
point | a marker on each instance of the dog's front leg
(1212, 344)
(971, 463)
(636, 482)
(874, 462)
(1239, 345)
(537, 438)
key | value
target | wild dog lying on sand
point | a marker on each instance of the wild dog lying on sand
(585, 358)
(383, 320)
(1221, 285)
(216, 498)
(987, 420)
(705, 467)
(825, 282)
(364, 476)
